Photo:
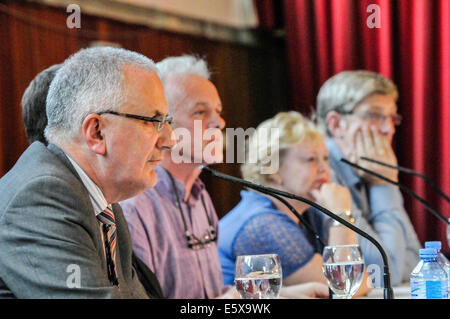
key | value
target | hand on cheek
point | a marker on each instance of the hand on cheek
(333, 196)
(370, 143)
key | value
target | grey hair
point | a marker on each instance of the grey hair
(33, 104)
(181, 66)
(343, 91)
(90, 81)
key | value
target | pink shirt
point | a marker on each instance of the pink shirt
(157, 232)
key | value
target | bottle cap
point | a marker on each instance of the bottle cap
(433, 244)
(427, 252)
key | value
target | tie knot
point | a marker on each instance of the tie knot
(107, 217)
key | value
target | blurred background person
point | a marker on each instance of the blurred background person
(262, 225)
(358, 112)
(33, 104)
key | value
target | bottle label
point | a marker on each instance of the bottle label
(417, 289)
(435, 289)
(429, 289)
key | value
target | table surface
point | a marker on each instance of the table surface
(401, 291)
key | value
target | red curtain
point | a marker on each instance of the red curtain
(412, 47)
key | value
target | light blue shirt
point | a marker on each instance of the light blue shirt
(378, 210)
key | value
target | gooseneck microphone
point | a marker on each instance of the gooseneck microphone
(299, 216)
(388, 292)
(403, 187)
(411, 172)
(302, 221)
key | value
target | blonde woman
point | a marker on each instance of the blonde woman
(259, 224)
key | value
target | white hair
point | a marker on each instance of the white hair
(293, 129)
(180, 67)
(90, 81)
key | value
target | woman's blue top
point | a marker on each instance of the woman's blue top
(256, 226)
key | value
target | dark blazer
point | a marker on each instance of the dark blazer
(50, 241)
(148, 279)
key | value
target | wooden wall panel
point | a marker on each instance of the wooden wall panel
(251, 80)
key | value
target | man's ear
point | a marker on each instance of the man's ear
(335, 124)
(93, 135)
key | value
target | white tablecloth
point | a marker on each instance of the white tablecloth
(402, 291)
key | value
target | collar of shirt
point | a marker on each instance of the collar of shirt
(95, 194)
(346, 170)
(164, 186)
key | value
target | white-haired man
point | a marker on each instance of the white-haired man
(358, 111)
(174, 225)
(61, 235)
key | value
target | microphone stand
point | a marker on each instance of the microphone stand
(300, 217)
(403, 187)
(388, 292)
(411, 172)
(303, 221)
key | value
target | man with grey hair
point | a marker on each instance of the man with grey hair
(33, 104)
(174, 225)
(61, 233)
(358, 112)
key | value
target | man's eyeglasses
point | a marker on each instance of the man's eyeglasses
(193, 241)
(159, 119)
(377, 117)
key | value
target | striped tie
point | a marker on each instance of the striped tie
(110, 238)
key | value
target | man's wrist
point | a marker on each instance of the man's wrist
(345, 215)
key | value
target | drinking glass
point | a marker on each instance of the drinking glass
(343, 266)
(258, 276)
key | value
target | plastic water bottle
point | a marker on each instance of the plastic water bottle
(428, 279)
(448, 233)
(441, 259)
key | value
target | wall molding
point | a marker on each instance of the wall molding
(156, 19)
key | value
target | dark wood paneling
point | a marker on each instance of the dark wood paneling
(251, 80)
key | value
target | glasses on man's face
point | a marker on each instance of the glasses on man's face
(195, 243)
(158, 119)
(377, 118)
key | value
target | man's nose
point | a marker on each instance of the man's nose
(387, 127)
(217, 121)
(167, 138)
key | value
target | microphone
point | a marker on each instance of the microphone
(305, 223)
(403, 187)
(300, 217)
(411, 172)
(388, 292)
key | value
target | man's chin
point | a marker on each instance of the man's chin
(153, 179)
(137, 186)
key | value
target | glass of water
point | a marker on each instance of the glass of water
(258, 276)
(343, 266)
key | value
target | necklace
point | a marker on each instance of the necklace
(193, 241)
